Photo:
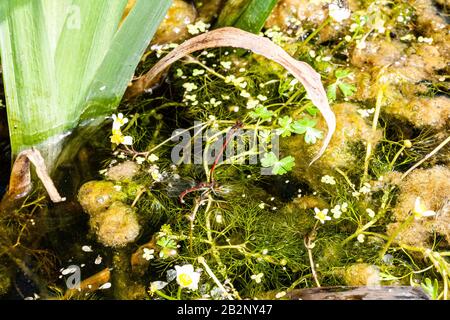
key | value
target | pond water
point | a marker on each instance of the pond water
(203, 187)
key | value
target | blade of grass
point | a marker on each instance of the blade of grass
(81, 49)
(28, 74)
(126, 50)
(248, 15)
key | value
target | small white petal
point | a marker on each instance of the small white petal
(106, 285)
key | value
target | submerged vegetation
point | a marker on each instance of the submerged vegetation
(140, 225)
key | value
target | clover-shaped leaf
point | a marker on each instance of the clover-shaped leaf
(262, 113)
(279, 167)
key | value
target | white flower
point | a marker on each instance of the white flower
(370, 212)
(245, 94)
(198, 27)
(252, 103)
(140, 160)
(280, 294)
(86, 249)
(328, 179)
(127, 140)
(257, 277)
(344, 207)
(365, 189)
(361, 237)
(148, 254)
(337, 13)
(365, 113)
(197, 72)
(189, 86)
(265, 251)
(420, 210)
(361, 44)
(336, 211)
(98, 260)
(153, 158)
(425, 40)
(118, 121)
(321, 215)
(187, 277)
(261, 97)
(226, 64)
(157, 285)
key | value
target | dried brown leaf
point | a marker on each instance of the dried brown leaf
(233, 37)
(20, 183)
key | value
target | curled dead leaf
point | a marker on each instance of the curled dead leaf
(20, 183)
(233, 37)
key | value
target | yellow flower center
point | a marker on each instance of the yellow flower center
(185, 280)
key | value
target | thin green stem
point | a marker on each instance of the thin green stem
(402, 227)
(163, 295)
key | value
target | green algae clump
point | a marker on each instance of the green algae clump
(124, 171)
(432, 186)
(361, 274)
(351, 129)
(97, 196)
(5, 281)
(117, 226)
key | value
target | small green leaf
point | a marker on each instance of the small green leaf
(284, 165)
(262, 113)
(301, 126)
(312, 134)
(279, 167)
(347, 89)
(269, 159)
(285, 126)
(312, 110)
(431, 288)
(166, 242)
(306, 126)
(331, 92)
(341, 74)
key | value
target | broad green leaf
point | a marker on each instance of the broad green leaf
(248, 15)
(82, 47)
(124, 54)
(60, 56)
(28, 74)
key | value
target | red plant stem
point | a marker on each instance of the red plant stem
(230, 134)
